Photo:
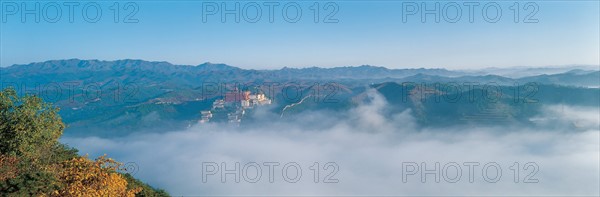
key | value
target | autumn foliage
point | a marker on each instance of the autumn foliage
(8, 167)
(83, 177)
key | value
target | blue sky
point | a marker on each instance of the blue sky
(367, 32)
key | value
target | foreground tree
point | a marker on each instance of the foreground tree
(28, 126)
(34, 163)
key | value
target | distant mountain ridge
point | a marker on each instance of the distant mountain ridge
(522, 71)
(160, 73)
(151, 95)
(77, 65)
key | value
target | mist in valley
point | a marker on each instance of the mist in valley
(365, 151)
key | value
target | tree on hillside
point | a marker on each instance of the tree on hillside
(34, 163)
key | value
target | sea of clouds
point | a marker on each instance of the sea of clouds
(364, 152)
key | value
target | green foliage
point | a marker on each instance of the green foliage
(30, 183)
(28, 126)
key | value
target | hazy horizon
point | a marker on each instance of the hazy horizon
(596, 66)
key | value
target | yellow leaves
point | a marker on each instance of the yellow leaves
(83, 177)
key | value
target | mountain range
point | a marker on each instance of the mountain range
(133, 95)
